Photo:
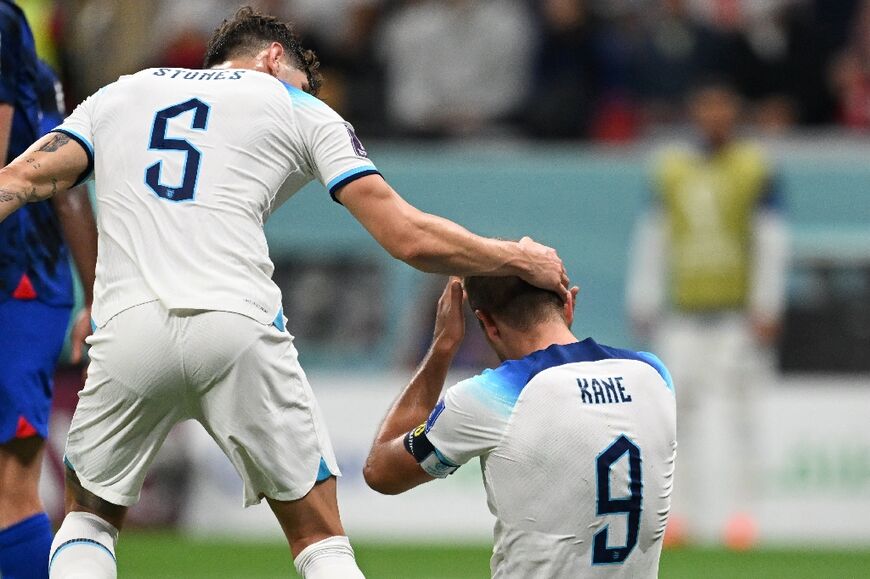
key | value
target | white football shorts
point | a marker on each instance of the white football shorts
(152, 368)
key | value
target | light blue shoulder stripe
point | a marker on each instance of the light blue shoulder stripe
(659, 366)
(494, 390)
(300, 95)
(349, 173)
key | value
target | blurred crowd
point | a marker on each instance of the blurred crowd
(603, 70)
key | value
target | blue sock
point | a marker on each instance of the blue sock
(24, 548)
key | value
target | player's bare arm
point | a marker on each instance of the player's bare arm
(7, 111)
(53, 163)
(390, 469)
(437, 245)
(76, 217)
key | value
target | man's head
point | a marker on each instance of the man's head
(269, 44)
(517, 317)
(715, 108)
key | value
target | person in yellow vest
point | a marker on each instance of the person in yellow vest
(706, 285)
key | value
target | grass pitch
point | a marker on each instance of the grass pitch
(164, 555)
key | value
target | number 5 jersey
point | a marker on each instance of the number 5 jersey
(188, 165)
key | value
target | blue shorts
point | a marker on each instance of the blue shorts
(31, 339)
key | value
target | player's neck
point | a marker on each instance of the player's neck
(240, 63)
(538, 338)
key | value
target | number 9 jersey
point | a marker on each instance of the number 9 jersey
(577, 445)
(188, 166)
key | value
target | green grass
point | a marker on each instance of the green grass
(156, 556)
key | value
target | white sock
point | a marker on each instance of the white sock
(83, 548)
(330, 558)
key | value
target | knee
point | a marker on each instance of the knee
(20, 466)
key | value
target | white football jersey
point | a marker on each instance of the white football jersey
(188, 165)
(577, 445)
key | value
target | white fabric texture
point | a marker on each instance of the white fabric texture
(83, 548)
(187, 177)
(152, 368)
(330, 558)
(539, 458)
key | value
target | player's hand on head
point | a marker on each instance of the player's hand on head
(450, 318)
(545, 268)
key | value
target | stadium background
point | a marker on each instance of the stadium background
(526, 118)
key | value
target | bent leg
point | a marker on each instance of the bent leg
(84, 546)
(316, 537)
(30, 341)
(25, 530)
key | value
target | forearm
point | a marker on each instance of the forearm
(428, 242)
(419, 397)
(51, 164)
(438, 245)
(645, 286)
(770, 267)
(79, 227)
(14, 193)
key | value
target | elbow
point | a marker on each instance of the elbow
(414, 242)
(376, 480)
(13, 180)
(417, 251)
(410, 251)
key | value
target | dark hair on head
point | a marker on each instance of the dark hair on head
(246, 33)
(512, 300)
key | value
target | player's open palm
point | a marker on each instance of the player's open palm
(545, 268)
(450, 319)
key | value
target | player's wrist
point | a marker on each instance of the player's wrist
(444, 346)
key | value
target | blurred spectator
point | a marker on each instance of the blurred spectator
(42, 17)
(456, 67)
(850, 74)
(706, 283)
(342, 32)
(559, 69)
(565, 81)
(674, 50)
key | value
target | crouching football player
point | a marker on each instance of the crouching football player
(576, 440)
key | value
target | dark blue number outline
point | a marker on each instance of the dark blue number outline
(158, 141)
(632, 506)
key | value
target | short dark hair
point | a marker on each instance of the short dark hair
(246, 33)
(512, 300)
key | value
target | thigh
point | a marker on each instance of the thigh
(31, 339)
(133, 396)
(256, 403)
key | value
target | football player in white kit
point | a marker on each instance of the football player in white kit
(576, 440)
(188, 165)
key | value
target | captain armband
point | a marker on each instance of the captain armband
(426, 455)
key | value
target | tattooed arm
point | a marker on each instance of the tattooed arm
(53, 163)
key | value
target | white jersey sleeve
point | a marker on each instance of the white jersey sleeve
(335, 154)
(469, 421)
(79, 127)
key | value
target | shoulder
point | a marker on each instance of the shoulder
(309, 104)
(488, 386)
(672, 160)
(647, 358)
(750, 156)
